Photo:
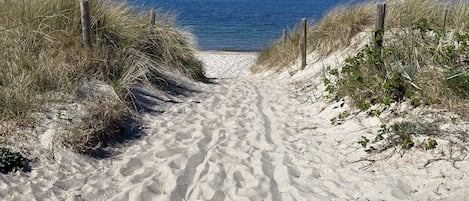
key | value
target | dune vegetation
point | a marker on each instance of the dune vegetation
(424, 57)
(43, 61)
(337, 28)
(424, 60)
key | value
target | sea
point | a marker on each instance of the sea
(240, 25)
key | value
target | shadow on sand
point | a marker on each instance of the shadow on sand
(151, 100)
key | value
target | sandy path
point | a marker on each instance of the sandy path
(238, 139)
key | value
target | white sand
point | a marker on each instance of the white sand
(227, 64)
(245, 139)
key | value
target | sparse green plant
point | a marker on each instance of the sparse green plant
(379, 137)
(334, 121)
(375, 113)
(59, 115)
(415, 102)
(405, 130)
(364, 141)
(402, 134)
(407, 142)
(364, 106)
(383, 130)
(430, 144)
(340, 117)
(402, 114)
(344, 114)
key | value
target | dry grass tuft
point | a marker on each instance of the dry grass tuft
(333, 32)
(85, 136)
(42, 57)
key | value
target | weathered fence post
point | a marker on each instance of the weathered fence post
(303, 43)
(86, 22)
(152, 18)
(379, 29)
(284, 36)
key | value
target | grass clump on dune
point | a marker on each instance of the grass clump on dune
(424, 58)
(337, 28)
(43, 59)
(423, 61)
(334, 31)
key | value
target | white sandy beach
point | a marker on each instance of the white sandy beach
(247, 138)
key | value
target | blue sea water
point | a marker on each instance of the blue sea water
(240, 25)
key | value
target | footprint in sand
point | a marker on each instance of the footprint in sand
(132, 165)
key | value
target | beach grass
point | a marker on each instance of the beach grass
(43, 59)
(336, 29)
(423, 61)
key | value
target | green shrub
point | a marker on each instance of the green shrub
(392, 74)
(363, 79)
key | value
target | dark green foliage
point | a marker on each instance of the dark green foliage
(406, 142)
(11, 161)
(390, 74)
(381, 132)
(379, 137)
(458, 81)
(395, 87)
(453, 57)
(374, 113)
(402, 134)
(415, 102)
(363, 79)
(414, 128)
(340, 118)
(364, 106)
(423, 26)
(430, 144)
(364, 141)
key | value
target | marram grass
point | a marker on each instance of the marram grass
(336, 29)
(424, 58)
(43, 58)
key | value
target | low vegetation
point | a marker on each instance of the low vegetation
(424, 61)
(339, 26)
(43, 60)
(403, 134)
(424, 68)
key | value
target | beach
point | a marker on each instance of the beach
(239, 137)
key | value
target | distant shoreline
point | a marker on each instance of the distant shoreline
(229, 50)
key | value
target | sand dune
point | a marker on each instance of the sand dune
(243, 138)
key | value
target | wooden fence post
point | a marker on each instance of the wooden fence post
(86, 23)
(379, 29)
(152, 18)
(284, 38)
(303, 42)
